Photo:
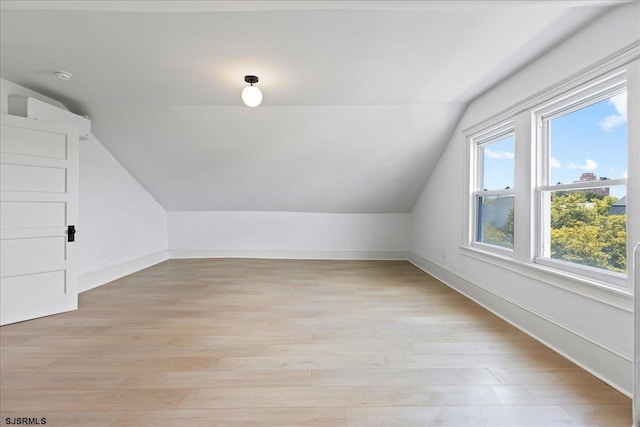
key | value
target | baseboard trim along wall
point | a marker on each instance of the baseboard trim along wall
(337, 255)
(602, 361)
(93, 280)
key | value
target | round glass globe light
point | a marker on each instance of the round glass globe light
(251, 96)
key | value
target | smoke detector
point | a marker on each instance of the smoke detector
(63, 75)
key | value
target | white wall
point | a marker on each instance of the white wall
(122, 228)
(289, 235)
(596, 335)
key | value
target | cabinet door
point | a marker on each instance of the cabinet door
(38, 203)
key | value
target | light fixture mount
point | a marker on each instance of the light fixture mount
(251, 95)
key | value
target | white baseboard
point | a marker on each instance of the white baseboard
(114, 272)
(346, 255)
(602, 361)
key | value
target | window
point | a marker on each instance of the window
(547, 191)
(493, 188)
(582, 180)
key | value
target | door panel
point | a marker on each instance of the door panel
(38, 200)
(32, 214)
(33, 142)
(15, 251)
(30, 288)
(33, 179)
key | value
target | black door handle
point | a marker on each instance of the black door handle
(71, 233)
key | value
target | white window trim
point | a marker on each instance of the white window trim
(523, 259)
(580, 285)
(584, 185)
(475, 143)
(589, 93)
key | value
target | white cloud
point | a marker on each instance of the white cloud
(589, 165)
(498, 154)
(625, 174)
(612, 121)
(554, 163)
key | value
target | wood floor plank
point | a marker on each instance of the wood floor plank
(263, 417)
(61, 381)
(237, 342)
(471, 360)
(341, 349)
(461, 416)
(247, 339)
(301, 362)
(219, 379)
(479, 348)
(149, 364)
(100, 340)
(288, 397)
(134, 352)
(91, 400)
(399, 377)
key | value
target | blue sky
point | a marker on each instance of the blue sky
(592, 139)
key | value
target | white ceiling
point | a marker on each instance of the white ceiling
(360, 97)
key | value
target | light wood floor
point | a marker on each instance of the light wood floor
(290, 343)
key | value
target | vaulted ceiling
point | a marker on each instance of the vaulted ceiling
(360, 97)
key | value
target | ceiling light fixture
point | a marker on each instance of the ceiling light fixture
(63, 75)
(251, 95)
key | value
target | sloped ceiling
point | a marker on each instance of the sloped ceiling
(359, 96)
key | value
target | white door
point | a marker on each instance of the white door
(38, 203)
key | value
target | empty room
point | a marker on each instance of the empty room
(320, 213)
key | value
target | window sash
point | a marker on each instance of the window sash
(478, 142)
(543, 253)
(482, 140)
(583, 185)
(576, 100)
(477, 219)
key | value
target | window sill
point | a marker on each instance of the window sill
(590, 288)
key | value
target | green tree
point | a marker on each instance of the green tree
(582, 231)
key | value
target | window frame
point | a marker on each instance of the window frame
(522, 260)
(582, 96)
(477, 142)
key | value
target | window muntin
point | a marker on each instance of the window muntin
(493, 188)
(583, 146)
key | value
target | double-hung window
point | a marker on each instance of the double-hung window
(582, 181)
(547, 192)
(493, 189)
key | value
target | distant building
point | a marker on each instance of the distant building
(590, 176)
(619, 207)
